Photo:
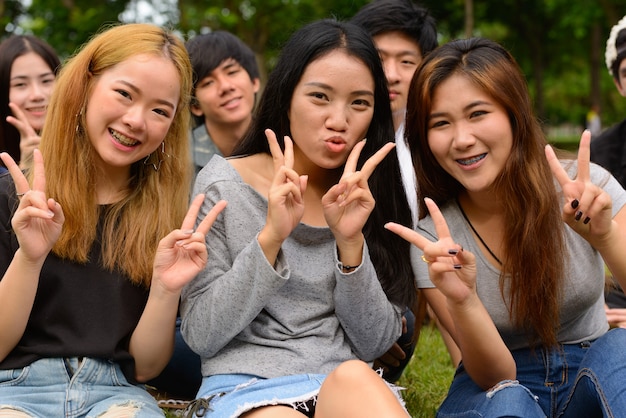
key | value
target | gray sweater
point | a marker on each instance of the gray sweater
(303, 315)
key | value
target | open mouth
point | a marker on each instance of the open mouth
(122, 139)
(472, 160)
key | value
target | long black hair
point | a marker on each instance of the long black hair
(389, 253)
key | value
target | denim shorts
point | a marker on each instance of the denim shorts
(230, 395)
(73, 387)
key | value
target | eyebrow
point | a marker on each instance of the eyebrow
(465, 109)
(19, 77)
(327, 87)
(135, 89)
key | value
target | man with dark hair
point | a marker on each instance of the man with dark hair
(403, 33)
(226, 80)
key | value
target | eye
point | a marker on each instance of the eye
(362, 104)
(437, 124)
(478, 113)
(18, 85)
(48, 80)
(206, 83)
(123, 93)
(318, 95)
(162, 112)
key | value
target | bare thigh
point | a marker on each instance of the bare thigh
(278, 411)
(13, 413)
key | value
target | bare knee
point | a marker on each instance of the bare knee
(125, 410)
(10, 412)
(351, 372)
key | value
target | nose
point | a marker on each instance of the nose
(37, 92)
(224, 84)
(134, 118)
(391, 71)
(464, 138)
(336, 119)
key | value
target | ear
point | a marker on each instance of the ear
(257, 84)
(195, 110)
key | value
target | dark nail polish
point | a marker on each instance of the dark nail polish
(453, 252)
(458, 266)
(579, 215)
(575, 203)
(587, 219)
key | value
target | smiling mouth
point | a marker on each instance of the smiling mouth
(473, 160)
(122, 139)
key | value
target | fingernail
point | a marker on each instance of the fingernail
(453, 252)
(575, 203)
(579, 215)
(458, 266)
(587, 219)
(187, 231)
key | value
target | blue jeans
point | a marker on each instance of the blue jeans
(72, 388)
(578, 380)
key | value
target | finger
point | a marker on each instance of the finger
(374, 160)
(39, 174)
(584, 156)
(192, 213)
(209, 219)
(353, 157)
(555, 166)
(277, 153)
(288, 155)
(441, 226)
(408, 234)
(21, 184)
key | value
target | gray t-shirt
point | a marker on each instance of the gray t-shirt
(582, 313)
(302, 315)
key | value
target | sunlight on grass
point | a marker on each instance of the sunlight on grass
(428, 375)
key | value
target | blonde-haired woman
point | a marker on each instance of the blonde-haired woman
(91, 272)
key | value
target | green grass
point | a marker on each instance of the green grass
(428, 375)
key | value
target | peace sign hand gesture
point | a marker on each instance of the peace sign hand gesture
(348, 204)
(29, 139)
(451, 269)
(38, 220)
(588, 208)
(286, 195)
(182, 254)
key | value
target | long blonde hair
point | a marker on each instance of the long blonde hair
(156, 201)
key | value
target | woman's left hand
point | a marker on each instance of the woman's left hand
(29, 139)
(588, 208)
(182, 254)
(348, 204)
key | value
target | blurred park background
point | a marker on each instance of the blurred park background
(559, 43)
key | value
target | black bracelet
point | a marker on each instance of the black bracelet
(348, 268)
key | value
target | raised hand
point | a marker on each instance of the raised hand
(348, 204)
(286, 194)
(451, 269)
(182, 254)
(588, 208)
(29, 138)
(38, 220)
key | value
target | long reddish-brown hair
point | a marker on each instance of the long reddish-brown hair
(534, 250)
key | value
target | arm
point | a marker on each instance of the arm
(180, 256)
(456, 303)
(37, 224)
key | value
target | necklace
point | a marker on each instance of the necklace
(476, 232)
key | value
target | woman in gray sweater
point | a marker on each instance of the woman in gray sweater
(304, 287)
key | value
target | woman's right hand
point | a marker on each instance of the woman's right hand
(38, 220)
(451, 269)
(29, 139)
(285, 201)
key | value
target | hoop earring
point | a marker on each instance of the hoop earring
(160, 158)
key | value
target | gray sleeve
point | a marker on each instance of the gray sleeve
(229, 293)
(370, 321)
